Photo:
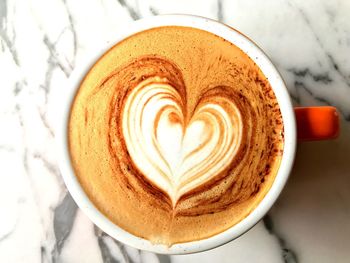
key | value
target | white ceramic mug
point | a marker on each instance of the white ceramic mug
(279, 88)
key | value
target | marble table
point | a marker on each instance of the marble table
(40, 43)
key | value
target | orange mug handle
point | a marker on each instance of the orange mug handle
(317, 123)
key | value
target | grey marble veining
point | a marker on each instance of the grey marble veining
(40, 44)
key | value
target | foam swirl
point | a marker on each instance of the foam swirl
(184, 152)
(175, 154)
(172, 147)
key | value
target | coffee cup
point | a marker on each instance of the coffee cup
(304, 124)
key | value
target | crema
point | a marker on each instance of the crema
(175, 134)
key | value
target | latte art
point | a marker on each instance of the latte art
(175, 135)
(176, 153)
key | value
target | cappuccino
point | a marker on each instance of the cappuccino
(175, 135)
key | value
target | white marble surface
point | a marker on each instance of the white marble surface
(41, 41)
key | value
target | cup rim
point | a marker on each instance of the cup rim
(281, 93)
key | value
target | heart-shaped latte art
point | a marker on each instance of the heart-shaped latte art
(176, 152)
(175, 135)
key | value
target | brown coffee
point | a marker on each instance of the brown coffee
(175, 135)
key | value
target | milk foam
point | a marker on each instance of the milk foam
(173, 147)
(176, 156)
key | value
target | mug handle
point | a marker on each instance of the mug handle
(317, 123)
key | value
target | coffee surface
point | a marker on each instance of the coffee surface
(175, 135)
